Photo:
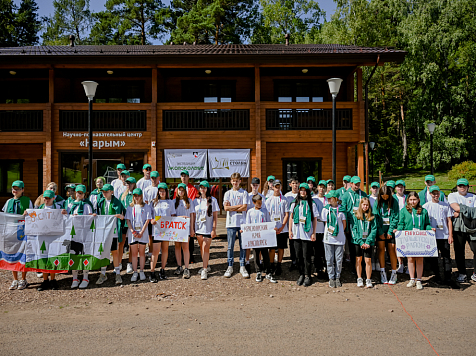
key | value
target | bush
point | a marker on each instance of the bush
(463, 170)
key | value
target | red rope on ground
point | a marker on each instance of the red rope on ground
(413, 320)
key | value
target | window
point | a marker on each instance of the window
(219, 91)
(120, 92)
(103, 120)
(301, 168)
(10, 171)
(24, 92)
(286, 91)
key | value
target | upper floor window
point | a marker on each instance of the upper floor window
(287, 91)
(116, 92)
(209, 91)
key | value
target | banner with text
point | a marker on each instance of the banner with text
(223, 163)
(258, 235)
(418, 243)
(194, 161)
(44, 222)
(171, 228)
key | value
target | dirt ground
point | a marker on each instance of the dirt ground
(234, 316)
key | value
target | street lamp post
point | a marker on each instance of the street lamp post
(372, 146)
(90, 90)
(431, 128)
(334, 86)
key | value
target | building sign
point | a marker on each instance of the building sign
(194, 161)
(223, 163)
(417, 243)
(103, 139)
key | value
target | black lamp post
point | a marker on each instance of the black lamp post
(90, 89)
(334, 86)
(431, 128)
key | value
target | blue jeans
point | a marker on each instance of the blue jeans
(231, 237)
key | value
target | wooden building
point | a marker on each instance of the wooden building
(271, 99)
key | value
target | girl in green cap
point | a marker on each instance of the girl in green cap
(268, 187)
(126, 200)
(96, 193)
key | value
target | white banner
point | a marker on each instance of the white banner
(194, 161)
(258, 235)
(44, 222)
(171, 228)
(418, 243)
(223, 163)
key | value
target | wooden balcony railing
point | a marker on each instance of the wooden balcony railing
(21, 120)
(307, 119)
(206, 120)
(103, 120)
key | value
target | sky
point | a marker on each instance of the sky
(46, 6)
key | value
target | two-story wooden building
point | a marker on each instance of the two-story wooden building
(271, 99)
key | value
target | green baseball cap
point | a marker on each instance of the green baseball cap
(131, 180)
(19, 184)
(461, 181)
(184, 171)
(48, 194)
(154, 174)
(121, 166)
(81, 188)
(125, 172)
(398, 182)
(182, 185)
(163, 186)
(271, 178)
(204, 183)
(304, 185)
(355, 180)
(311, 178)
(322, 182)
(332, 194)
(137, 191)
(430, 177)
(390, 184)
(433, 188)
(375, 184)
(70, 186)
(145, 166)
(346, 178)
(107, 187)
(330, 181)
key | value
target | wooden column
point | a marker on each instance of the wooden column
(47, 126)
(360, 96)
(360, 160)
(153, 122)
(258, 123)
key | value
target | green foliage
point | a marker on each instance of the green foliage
(465, 169)
(19, 26)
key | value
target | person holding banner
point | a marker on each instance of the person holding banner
(206, 212)
(387, 214)
(81, 206)
(303, 231)
(334, 237)
(414, 217)
(96, 193)
(440, 215)
(126, 200)
(318, 246)
(18, 205)
(121, 186)
(255, 182)
(402, 201)
(161, 206)
(268, 187)
(259, 214)
(364, 232)
(110, 205)
(235, 203)
(290, 196)
(277, 207)
(54, 188)
(145, 181)
(184, 208)
(138, 216)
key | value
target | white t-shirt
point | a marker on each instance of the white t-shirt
(138, 215)
(182, 210)
(257, 216)
(163, 208)
(144, 183)
(203, 222)
(87, 210)
(236, 197)
(250, 200)
(372, 201)
(298, 229)
(277, 208)
(94, 200)
(6, 205)
(439, 214)
(118, 190)
(428, 196)
(150, 193)
(329, 238)
(321, 203)
(269, 194)
(468, 199)
(401, 201)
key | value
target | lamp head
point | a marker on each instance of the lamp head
(372, 145)
(90, 89)
(334, 86)
(431, 127)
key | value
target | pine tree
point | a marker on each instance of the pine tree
(73, 232)
(93, 226)
(27, 23)
(43, 247)
(101, 250)
(7, 23)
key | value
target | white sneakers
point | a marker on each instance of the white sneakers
(75, 283)
(229, 272)
(383, 277)
(102, 278)
(244, 272)
(129, 269)
(14, 285)
(84, 284)
(418, 285)
(204, 274)
(118, 279)
(209, 269)
(22, 284)
(368, 283)
(393, 278)
(360, 282)
(411, 283)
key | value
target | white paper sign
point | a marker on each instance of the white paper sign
(171, 228)
(194, 161)
(44, 222)
(258, 235)
(418, 243)
(223, 163)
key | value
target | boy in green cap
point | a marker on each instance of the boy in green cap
(400, 193)
(150, 193)
(268, 187)
(118, 181)
(374, 187)
(425, 195)
(18, 205)
(458, 200)
(345, 187)
(145, 181)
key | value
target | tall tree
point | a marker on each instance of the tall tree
(7, 23)
(130, 22)
(27, 23)
(70, 17)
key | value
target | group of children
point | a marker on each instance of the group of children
(323, 225)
